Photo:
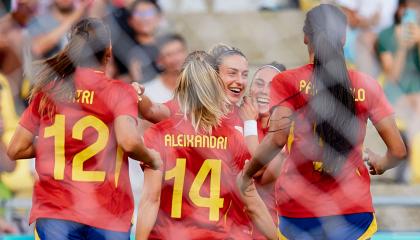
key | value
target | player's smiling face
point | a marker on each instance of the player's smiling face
(260, 89)
(234, 73)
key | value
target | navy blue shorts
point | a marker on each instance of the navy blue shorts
(55, 229)
(343, 227)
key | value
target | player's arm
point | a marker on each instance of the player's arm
(45, 42)
(152, 112)
(22, 145)
(272, 172)
(130, 140)
(396, 150)
(256, 209)
(149, 203)
(6, 165)
(273, 142)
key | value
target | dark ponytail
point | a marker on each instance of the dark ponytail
(89, 40)
(332, 108)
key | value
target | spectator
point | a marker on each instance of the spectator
(48, 31)
(172, 54)
(12, 42)
(139, 53)
(399, 52)
(366, 19)
(398, 48)
(144, 20)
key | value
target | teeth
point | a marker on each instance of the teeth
(263, 100)
(235, 90)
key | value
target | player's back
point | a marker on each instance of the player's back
(198, 188)
(83, 173)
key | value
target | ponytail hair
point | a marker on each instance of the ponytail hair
(200, 92)
(332, 108)
(89, 41)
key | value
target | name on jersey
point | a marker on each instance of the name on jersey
(196, 141)
(84, 96)
(306, 86)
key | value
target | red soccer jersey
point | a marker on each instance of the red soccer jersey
(198, 189)
(83, 174)
(302, 191)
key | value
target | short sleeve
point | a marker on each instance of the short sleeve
(386, 41)
(378, 105)
(282, 92)
(152, 140)
(124, 100)
(30, 118)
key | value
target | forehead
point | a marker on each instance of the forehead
(267, 74)
(175, 43)
(144, 6)
(235, 61)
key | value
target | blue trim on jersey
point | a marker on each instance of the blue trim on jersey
(343, 227)
(53, 229)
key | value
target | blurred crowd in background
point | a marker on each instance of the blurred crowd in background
(383, 40)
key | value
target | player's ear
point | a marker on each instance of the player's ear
(306, 40)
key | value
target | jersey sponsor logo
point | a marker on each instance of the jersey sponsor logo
(307, 87)
(196, 141)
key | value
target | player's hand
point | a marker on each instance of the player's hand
(139, 89)
(406, 36)
(248, 110)
(374, 161)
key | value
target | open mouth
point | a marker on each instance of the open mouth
(261, 100)
(235, 90)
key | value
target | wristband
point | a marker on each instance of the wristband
(250, 128)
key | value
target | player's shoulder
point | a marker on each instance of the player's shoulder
(360, 79)
(293, 75)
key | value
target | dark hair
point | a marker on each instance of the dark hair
(137, 2)
(220, 51)
(332, 107)
(89, 40)
(172, 37)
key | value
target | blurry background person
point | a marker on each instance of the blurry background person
(172, 54)
(13, 41)
(366, 20)
(48, 30)
(135, 50)
(399, 53)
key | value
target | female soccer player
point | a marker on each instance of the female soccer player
(190, 197)
(80, 126)
(259, 92)
(232, 67)
(324, 187)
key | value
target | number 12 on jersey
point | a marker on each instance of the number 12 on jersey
(213, 202)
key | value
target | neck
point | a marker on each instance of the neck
(169, 79)
(311, 57)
